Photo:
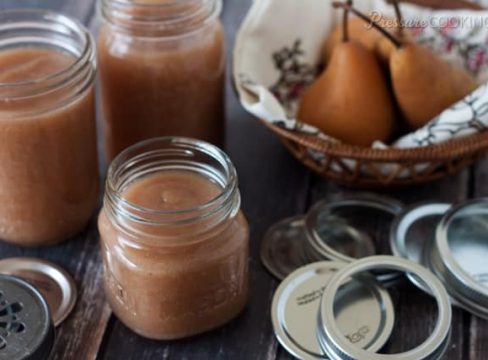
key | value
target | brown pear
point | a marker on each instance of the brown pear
(359, 31)
(384, 47)
(423, 83)
(350, 100)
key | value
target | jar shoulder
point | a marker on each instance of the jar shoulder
(110, 41)
(228, 237)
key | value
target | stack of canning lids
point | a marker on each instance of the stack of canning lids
(337, 311)
(343, 230)
(329, 261)
(456, 252)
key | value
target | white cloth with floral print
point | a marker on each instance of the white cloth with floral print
(277, 55)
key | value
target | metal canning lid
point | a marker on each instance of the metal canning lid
(26, 328)
(462, 248)
(416, 248)
(338, 347)
(53, 282)
(296, 305)
(282, 248)
(457, 298)
(342, 230)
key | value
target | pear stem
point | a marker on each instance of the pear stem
(374, 24)
(345, 23)
(399, 16)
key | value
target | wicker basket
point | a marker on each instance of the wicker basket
(365, 167)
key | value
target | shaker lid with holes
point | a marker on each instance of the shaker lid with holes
(55, 284)
(296, 306)
(26, 328)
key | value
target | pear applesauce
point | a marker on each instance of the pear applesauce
(174, 242)
(162, 71)
(48, 153)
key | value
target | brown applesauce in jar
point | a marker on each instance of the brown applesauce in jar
(174, 241)
(162, 66)
(48, 153)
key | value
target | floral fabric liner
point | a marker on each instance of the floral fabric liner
(277, 55)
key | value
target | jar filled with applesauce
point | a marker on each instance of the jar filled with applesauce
(162, 67)
(174, 241)
(48, 153)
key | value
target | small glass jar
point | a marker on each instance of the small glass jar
(162, 69)
(179, 267)
(48, 153)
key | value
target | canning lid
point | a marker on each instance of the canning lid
(283, 247)
(26, 328)
(54, 283)
(296, 305)
(416, 247)
(342, 230)
(460, 253)
(338, 347)
(350, 229)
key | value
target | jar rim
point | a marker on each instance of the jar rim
(113, 11)
(229, 189)
(11, 16)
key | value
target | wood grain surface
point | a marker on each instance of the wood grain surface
(273, 186)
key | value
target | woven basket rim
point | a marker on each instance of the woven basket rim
(439, 152)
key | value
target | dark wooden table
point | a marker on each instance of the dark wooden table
(273, 186)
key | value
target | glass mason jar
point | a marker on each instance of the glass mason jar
(162, 67)
(174, 241)
(48, 153)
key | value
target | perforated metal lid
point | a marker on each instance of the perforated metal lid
(54, 283)
(26, 328)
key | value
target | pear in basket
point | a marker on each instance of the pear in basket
(358, 31)
(424, 84)
(384, 47)
(350, 100)
(367, 35)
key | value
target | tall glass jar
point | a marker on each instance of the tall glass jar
(162, 66)
(48, 153)
(174, 241)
